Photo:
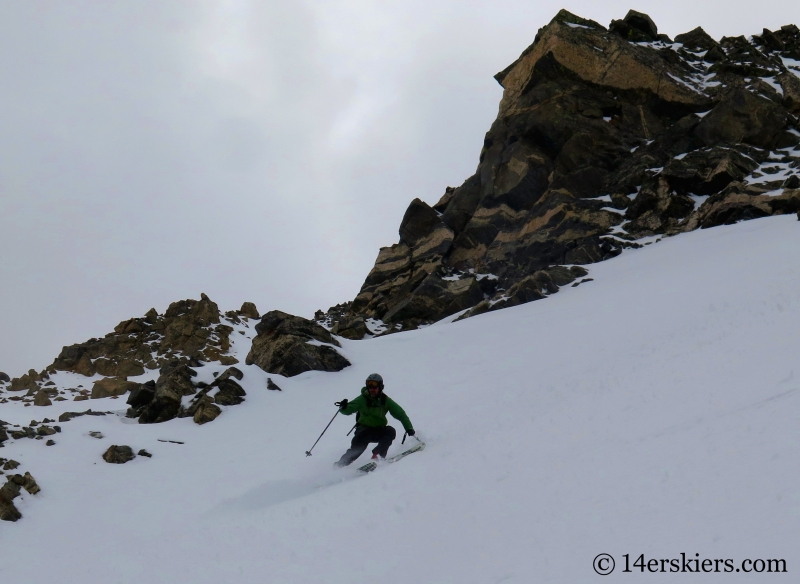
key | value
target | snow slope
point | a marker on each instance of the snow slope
(652, 411)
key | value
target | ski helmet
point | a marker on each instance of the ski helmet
(377, 378)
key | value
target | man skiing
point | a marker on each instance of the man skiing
(371, 426)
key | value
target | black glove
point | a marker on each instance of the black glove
(410, 432)
(341, 404)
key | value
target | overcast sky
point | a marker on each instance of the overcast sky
(261, 151)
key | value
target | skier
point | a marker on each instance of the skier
(371, 426)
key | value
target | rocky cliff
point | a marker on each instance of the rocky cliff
(604, 136)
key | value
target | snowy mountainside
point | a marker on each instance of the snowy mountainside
(652, 411)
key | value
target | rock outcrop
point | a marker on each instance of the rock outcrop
(289, 345)
(174, 382)
(188, 330)
(603, 136)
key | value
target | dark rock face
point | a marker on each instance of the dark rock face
(602, 137)
(725, 209)
(533, 287)
(142, 395)
(4, 378)
(289, 345)
(118, 454)
(174, 382)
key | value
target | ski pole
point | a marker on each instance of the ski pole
(406, 434)
(308, 452)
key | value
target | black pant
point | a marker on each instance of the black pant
(384, 436)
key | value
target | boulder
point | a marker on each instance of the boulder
(418, 222)
(228, 373)
(111, 386)
(174, 382)
(144, 453)
(118, 454)
(10, 490)
(8, 511)
(28, 381)
(230, 393)
(27, 482)
(4, 378)
(197, 401)
(790, 84)
(289, 345)
(793, 182)
(3, 434)
(697, 40)
(206, 412)
(42, 399)
(249, 310)
(272, 385)
(636, 27)
(142, 395)
(10, 465)
(353, 328)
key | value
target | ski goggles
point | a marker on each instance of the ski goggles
(373, 385)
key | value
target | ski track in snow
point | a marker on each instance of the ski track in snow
(652, 411)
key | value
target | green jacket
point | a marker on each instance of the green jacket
(372, 411)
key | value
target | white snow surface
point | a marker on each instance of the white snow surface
(653, 411)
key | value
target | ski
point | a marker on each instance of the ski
(372, 465)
